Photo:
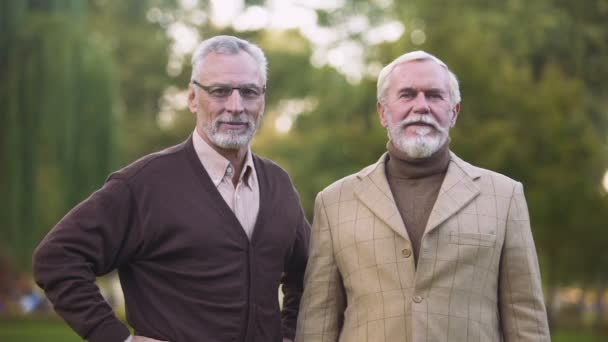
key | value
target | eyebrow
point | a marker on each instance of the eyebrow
(247, 85)
(425, 90)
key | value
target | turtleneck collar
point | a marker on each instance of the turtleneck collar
(400, 165)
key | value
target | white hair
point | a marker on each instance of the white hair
(228, 45)
(385, 74)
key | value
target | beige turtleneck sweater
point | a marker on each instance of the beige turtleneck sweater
(415, 184)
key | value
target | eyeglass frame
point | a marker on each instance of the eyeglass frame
(208, 88)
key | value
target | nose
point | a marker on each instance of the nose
(421, 105)
(234, 103)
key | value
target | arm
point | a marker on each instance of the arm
(323, 303)
(292, 279)
(522, 308)
(91, 240)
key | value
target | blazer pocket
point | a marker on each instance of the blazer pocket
(473, 239)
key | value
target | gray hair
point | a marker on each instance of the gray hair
(228, 45)
(385, 74)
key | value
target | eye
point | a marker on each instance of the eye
(249, 92)
(407, 94)
(435, 96)
(220, 91)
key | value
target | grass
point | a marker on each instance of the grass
(30, 330)
(53, 330)
(572, 336)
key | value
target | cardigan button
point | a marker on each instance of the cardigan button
(406, 252)
(417, 299)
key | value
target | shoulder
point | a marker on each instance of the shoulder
(153, 163)
(344, 188)
(277, 181)
(274, 177)
(269, 167)
(337, 188)
(488, 180)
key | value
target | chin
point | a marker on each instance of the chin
(231, 141)
(420, 146)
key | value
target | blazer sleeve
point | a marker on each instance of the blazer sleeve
(91, 240)
(323, 303)
(521, 303)
(292, 279)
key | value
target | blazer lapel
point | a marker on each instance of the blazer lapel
(375, 193)
(457, 190)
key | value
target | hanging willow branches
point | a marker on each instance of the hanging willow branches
(57, 132)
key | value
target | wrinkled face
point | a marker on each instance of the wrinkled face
(416, 109)
(227, 118)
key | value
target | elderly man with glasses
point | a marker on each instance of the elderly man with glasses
(202, 233)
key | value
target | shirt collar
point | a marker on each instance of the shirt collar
(248, 175)
(218, 167)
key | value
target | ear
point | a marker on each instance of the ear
(455, 113)
(192, 104)
(382, 114)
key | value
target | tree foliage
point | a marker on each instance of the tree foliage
(57, 131)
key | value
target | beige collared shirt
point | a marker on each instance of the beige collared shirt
(244, 199)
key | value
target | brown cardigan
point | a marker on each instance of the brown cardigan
(187, 268)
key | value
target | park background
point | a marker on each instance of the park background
(88, 86)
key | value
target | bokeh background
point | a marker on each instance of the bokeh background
(88, 86)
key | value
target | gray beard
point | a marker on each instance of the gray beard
(422, 146)
(231, 140)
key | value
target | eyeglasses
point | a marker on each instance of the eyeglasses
(224, 91)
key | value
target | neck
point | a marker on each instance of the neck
(401, 165)
(236, 157)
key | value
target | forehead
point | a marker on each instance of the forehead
(239, 68)
(420, 74)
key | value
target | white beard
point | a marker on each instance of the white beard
(427, 140)
(231, 139)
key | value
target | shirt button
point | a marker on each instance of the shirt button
(417, 299)
(406, 252)
(229, 171)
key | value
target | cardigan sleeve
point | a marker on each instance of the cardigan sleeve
(293, 275)
(93, 239)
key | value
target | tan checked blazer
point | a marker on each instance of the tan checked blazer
(477, 278)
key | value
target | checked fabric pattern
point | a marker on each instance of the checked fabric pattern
(477, 277)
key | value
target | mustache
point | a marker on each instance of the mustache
(418, 118)
(227, 118)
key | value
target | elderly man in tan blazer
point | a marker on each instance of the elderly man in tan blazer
(421, 246)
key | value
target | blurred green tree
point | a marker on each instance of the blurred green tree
(58, 118)
(136, 36)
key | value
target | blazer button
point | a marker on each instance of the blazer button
(417, 299)
(406, 252)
